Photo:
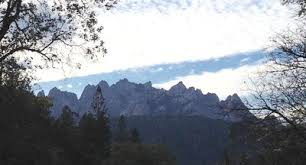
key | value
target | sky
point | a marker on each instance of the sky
(213, 45)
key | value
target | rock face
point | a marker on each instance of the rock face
(131, 99)
(60, 99)
(41, 94)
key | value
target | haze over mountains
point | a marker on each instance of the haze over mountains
(131, 99)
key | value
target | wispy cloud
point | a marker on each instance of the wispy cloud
(220, 6)
(140, 33)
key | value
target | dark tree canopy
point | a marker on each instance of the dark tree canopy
(122, 131)
(279, 89)
(98, 103)
(139, 154)
(14, 75)
(279, 97)
(135, 137)
(47, 27)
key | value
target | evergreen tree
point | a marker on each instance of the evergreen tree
(244, 159)
(66, 119)
(95, 131)
(135, 137)
(123, 134)
(88, 137)
(98, 103)
(102, 124)
(24, 121)
(140, 154)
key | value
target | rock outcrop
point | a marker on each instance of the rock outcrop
(131, 99)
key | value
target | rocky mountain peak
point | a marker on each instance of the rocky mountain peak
(124, 84)
(61, 99)
(123, 81)
(103, 84)
(235, 108)
(233, 103)
(41, 93)
(148, 84)
(54, 90)
(133, 99)
(212, 97)
(233, 99)
(178, 89)
(88, 91)
(191, 89)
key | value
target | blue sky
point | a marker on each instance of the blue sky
(210, 44)
(162, 74)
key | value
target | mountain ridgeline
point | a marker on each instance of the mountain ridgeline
(131, 99)
(194, 126)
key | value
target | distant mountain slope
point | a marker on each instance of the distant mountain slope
(194, 140)
(131, 99)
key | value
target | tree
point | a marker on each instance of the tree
(103, 131)
(300, 3)
(135, 137)
(104, 135)
(122, 131)
(66, 119)
(139, 154)
(95, 131)
(14, 75)
(25, 127)
(98, 103)
(280, 88)
(279, 96)
(88, 138)
(45, 27)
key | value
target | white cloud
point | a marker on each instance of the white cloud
(149, 32)
(245, 60)
(224, 83)
(160, 69)
(69, 86)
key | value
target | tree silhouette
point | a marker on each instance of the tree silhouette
(135, 137)
(279, 97)
(122, 134)
(45, 27)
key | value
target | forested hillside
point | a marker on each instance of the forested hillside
(193, 140)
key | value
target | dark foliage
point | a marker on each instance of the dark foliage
(279, 135)
(193, 140)
(29, 136)
(139, 154)
(45, 27)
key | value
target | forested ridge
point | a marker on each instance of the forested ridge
(29, 135)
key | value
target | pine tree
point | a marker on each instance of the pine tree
(99, 127)
(244, 159)
(123, 134)
(135, 137)
(98, 103)
(66, 119)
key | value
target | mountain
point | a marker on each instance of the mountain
(194, 126)
(194, 140)
(131, 99)
(60, 99)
